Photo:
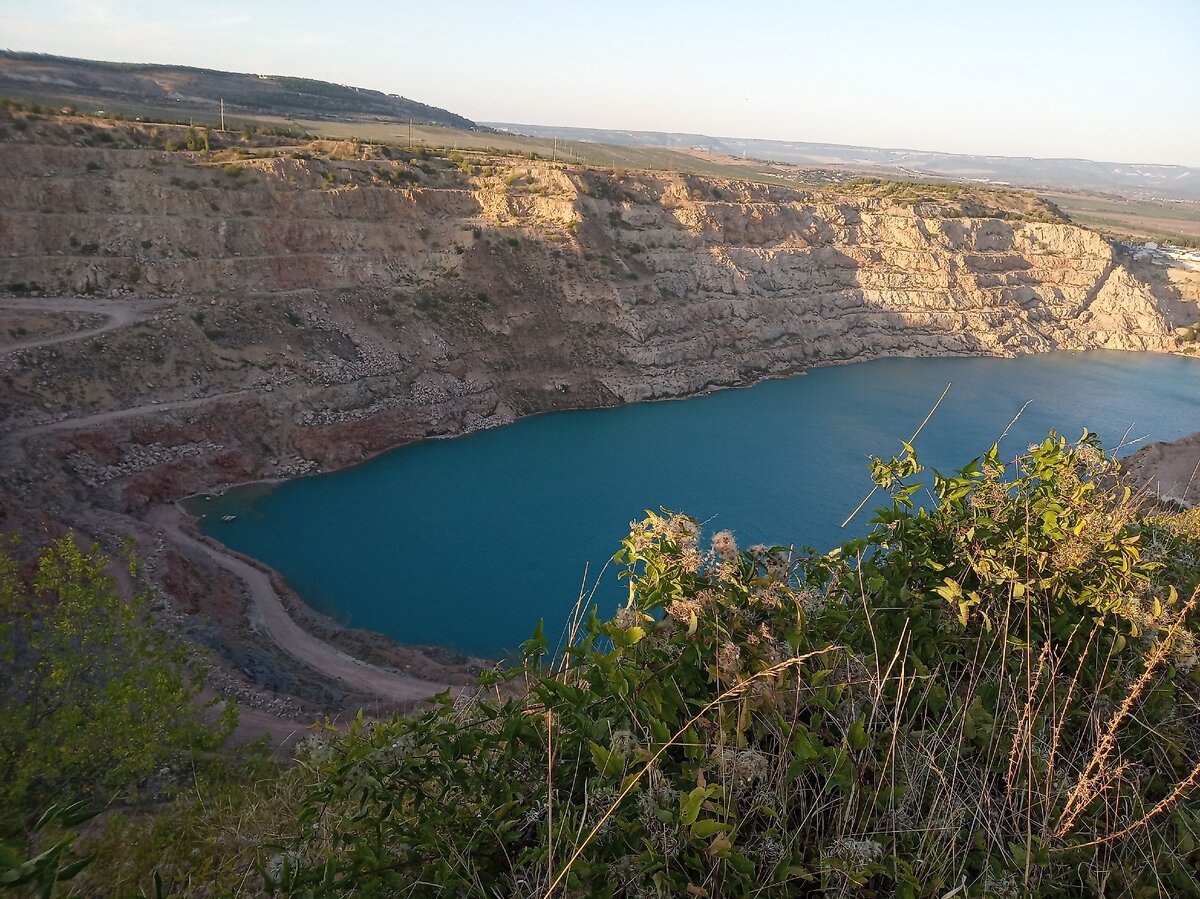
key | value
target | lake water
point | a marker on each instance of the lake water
(468, 542)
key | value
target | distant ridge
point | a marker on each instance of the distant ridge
(1137, 180)
(90, 82)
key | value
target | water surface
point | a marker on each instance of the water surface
(468, 542)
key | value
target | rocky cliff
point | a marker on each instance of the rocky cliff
(176, 321)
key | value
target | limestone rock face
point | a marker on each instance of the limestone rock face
(299, 311)
(854, 281)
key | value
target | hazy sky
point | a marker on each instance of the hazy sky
(1102, 80)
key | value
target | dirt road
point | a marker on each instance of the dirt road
(268, 615)
(267, 612)
(116, 313)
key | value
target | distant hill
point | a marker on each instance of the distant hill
(1135, 180)
(91, 83)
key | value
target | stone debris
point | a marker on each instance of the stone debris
(136, 458)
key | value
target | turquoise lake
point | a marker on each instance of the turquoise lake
(466, 543)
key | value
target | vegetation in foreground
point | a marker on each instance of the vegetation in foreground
(96, 701)
(996, 696)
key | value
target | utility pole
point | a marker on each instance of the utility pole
(222, 113)
(555, 159)
(410, 143)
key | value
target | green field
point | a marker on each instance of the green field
(1172, 222)
(437, 137)
(1164, 221)
(586, 153)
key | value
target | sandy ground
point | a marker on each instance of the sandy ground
(1170, 470)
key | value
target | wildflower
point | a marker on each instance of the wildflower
(660, 789)
(288, 858)
(685, 531)
(724, 545)
(598, 803)
(690, 559)
(776, 651)
(623, 744)
(769, 851)
(314, 750)
(642, 535)
(1092, 459)
(1005, 886)
(628, 617)
(856, 852)
(760, 690)
(669, 842)
(405, 745)
(769, 597)
(1184, 652)
(729, 657)
(649, 807)
(683, 610)
(535, 814)
(746, 766)
(623, 873)
(763, 797)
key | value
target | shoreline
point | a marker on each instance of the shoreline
(268, 615)
(214, 547)
(222, 489)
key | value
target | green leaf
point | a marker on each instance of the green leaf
(70, 870)
(607, 763)
(625, 637)
(702, 830)
(858, 737)
(689, 805)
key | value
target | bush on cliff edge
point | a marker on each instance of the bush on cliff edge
(994, 696)
(95, 697)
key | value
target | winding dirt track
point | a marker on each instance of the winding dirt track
(267, 613)
(117, 314)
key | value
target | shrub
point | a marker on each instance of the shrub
(95, 697)
(992, 696)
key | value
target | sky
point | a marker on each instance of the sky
(1099, 80)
